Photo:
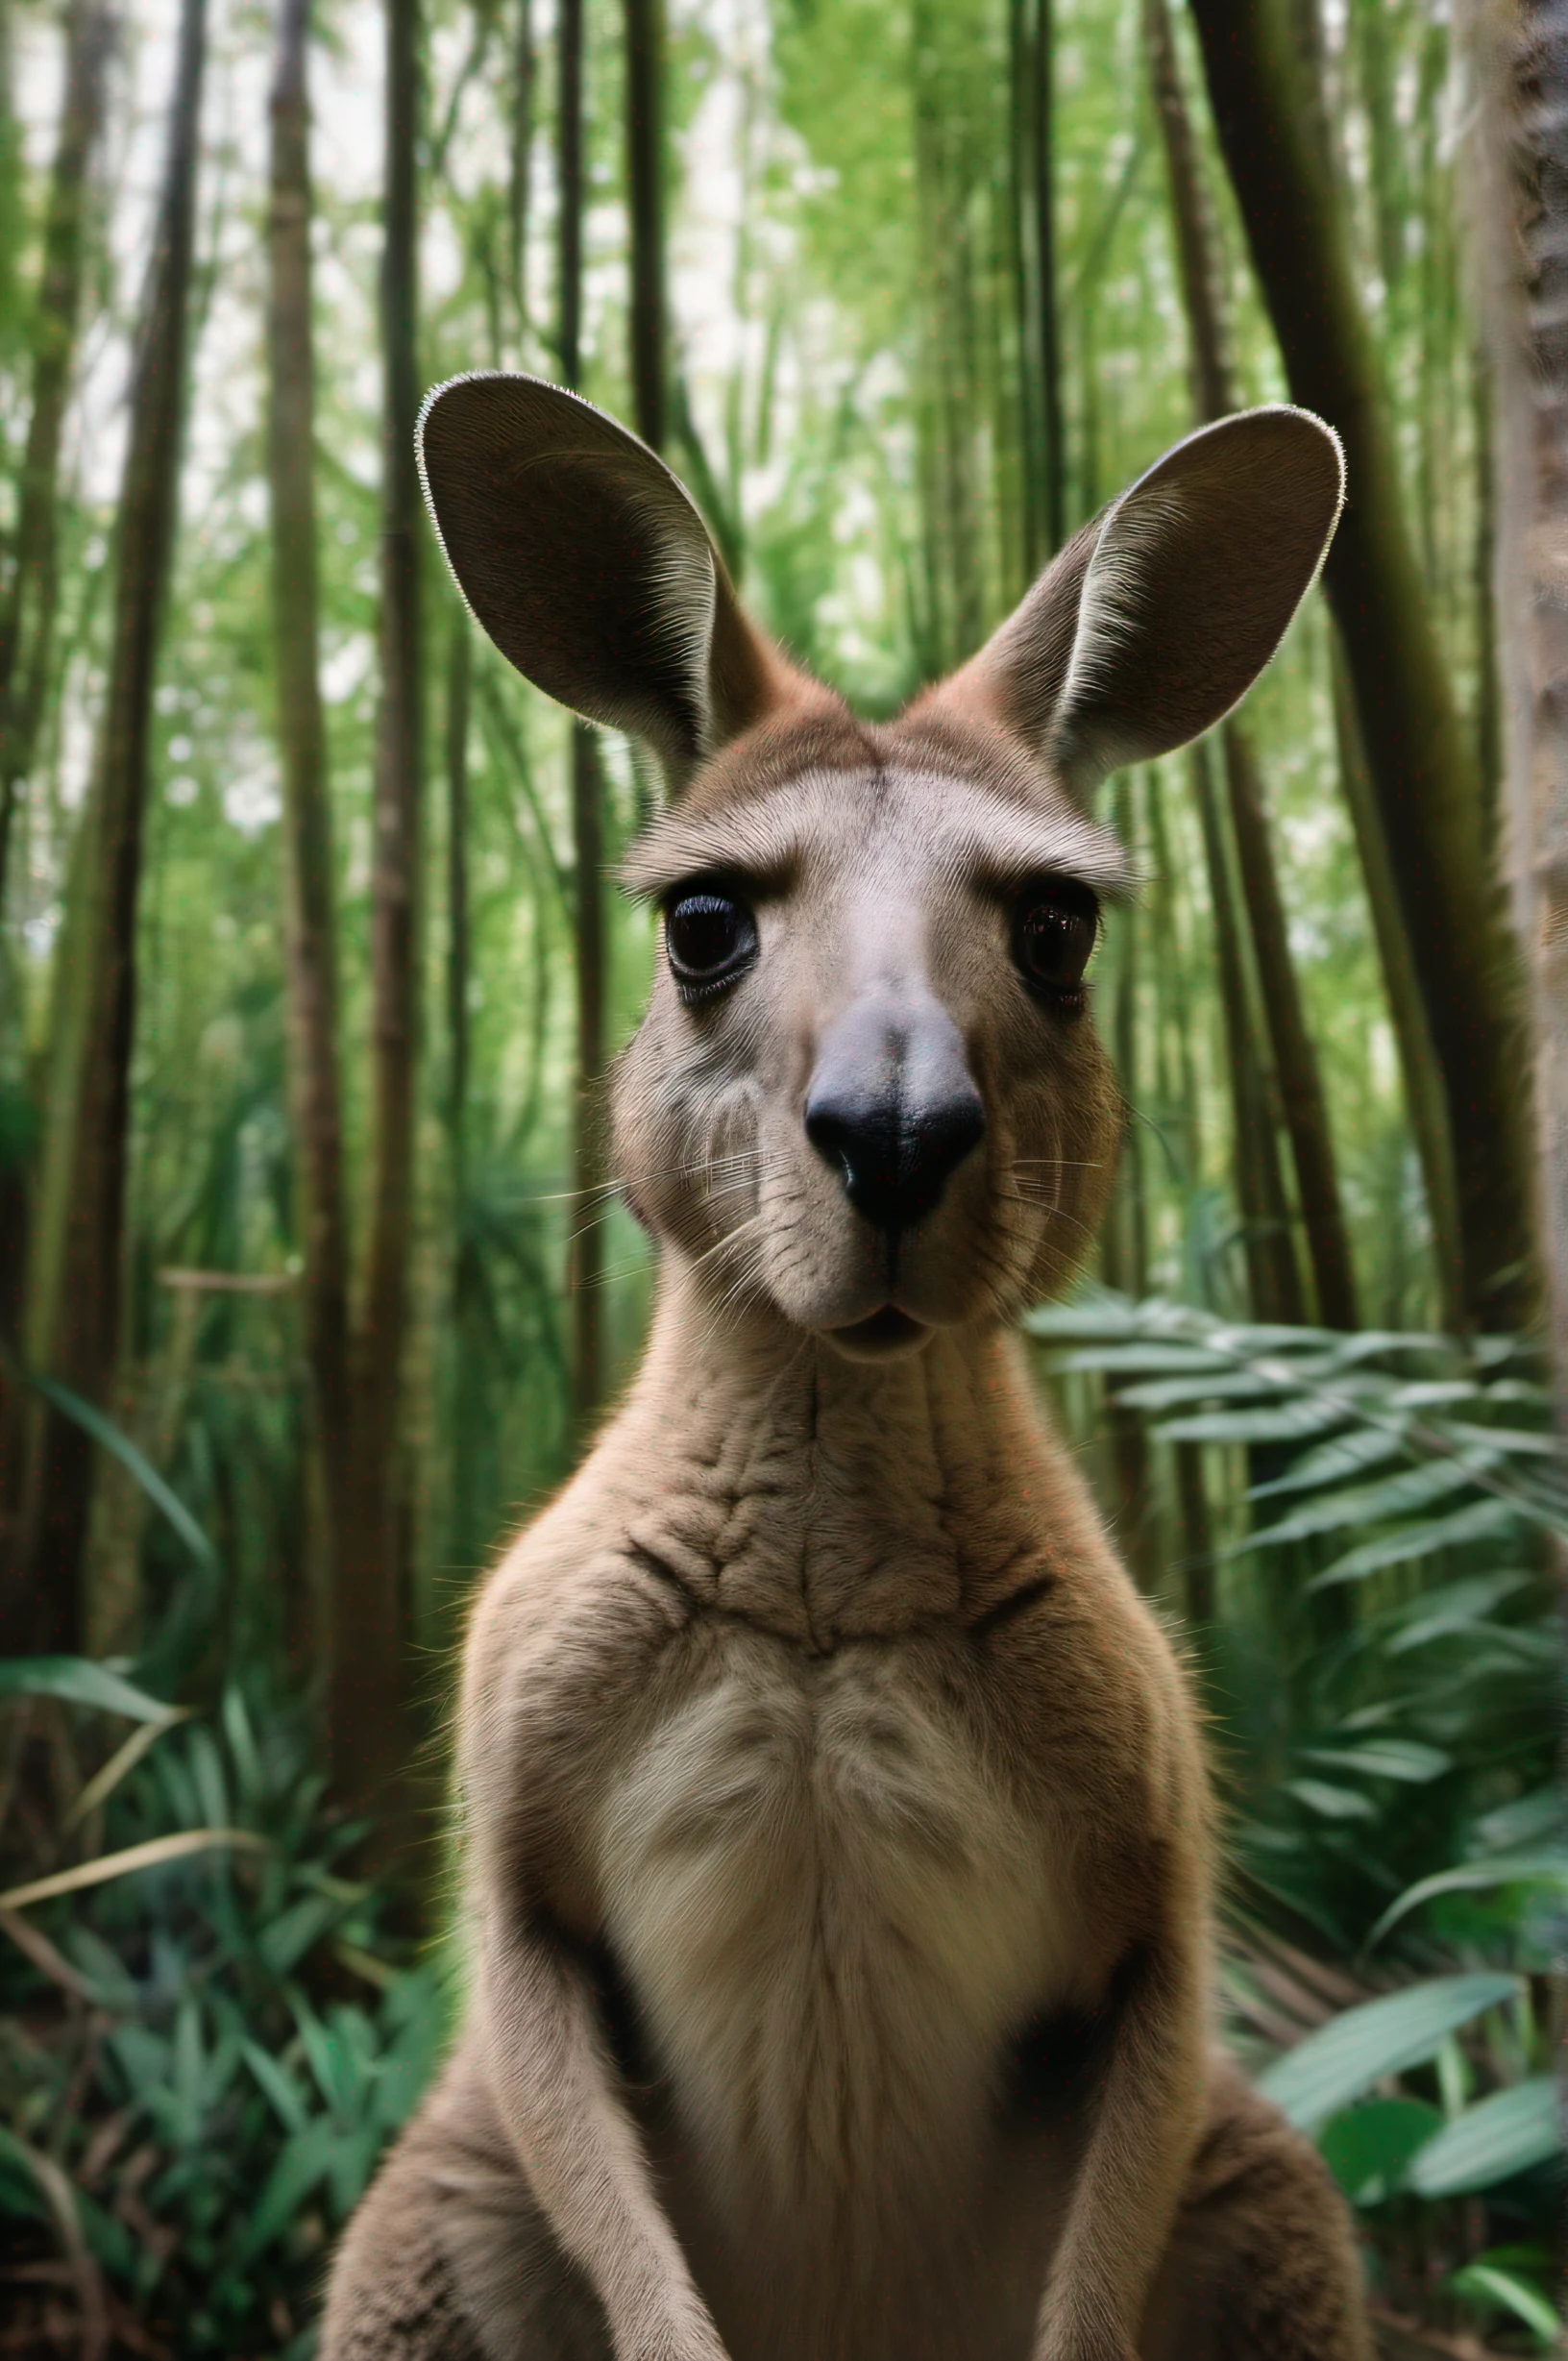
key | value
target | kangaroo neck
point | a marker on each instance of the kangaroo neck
(823, 1498)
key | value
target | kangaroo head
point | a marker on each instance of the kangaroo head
(868, 1090)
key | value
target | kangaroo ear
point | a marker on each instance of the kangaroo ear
(1158, 616)
(585, 561)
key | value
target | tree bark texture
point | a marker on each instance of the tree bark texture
(29, 594)
(1525, 270)
(1420, 758)
(1042, 126)
(1124, 1251)
(75, 1275)
(1425, 1103)
(955, 575)
(310, 928)
(367, 1735)
(569, 189)
(585, 1262)
(518, 208)
(1032, 257)
(459, 700)
(1304, 1101)
(587, 1145)
(1273, 1278)
(645, 187)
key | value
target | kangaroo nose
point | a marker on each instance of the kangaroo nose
(893, 1106)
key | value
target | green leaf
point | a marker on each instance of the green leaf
(1097, 1312)
(1434, 1393)
(1382, 2037)
(1485, 2283)
(144, 2059)
(104, 1967)
(302, 2165)
(1161, 1394)
(186, 2081)
(1454, 1607)
(1150, 1360)
(1491, 2141)
(1347, 1455)
(1332, 1803)
(1368, 2147)
(20, 2191)
(1524, 1443)
(338, 2072)
(78, 1681)
(1484, 1520)
(106, 1432)
(1547, 1866)
(352, 2162)
(1371, 1343)
(1371, 1503)
(1290, 1422)
(1401, 1759)
(278, 2084)
(107, 2239)
(1526, 1821)
(242, 1747)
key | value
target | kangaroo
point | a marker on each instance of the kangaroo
(839, 1852)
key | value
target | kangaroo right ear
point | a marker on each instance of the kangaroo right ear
(1158, 617)
(587, 564)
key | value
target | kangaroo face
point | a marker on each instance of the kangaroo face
(868, 1088)
(868, 1091)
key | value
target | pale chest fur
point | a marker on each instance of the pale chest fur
(834, 1918)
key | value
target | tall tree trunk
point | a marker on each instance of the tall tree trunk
(29, 597)
(1304, 1101)
(1525, 272)
(76, 1270)
(459, 686)
(1424, 1104)
(568, 188)
(1125, 1255)
(1020, 183)
(587, 1252)
(310, 932)
(954, 507)
(1273, 1279)
(1422, 762)
(368, 1740)
(644, 185)
(1302, 1096)
(1052, 421)
(518, 209)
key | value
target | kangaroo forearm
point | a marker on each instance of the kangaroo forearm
(1135, 2161)
(584, 2156)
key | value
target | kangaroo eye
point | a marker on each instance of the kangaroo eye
(1054, 934)
(709, 937)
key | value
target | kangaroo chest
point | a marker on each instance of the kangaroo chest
(833, 1916)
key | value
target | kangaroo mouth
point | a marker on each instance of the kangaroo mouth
(887, 1335)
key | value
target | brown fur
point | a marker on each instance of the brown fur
(838, 1840)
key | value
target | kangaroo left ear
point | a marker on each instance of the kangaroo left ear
(1158, 616)
(585, 561)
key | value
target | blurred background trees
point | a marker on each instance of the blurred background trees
(313, 1279)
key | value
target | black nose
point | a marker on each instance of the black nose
(894, 1109)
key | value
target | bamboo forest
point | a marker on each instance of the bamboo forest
(314, 1279)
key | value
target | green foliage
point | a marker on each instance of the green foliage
(1383, 2037)
(202, 2060)
(1401, 1812)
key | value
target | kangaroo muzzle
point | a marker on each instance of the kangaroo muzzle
(893, 1106)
